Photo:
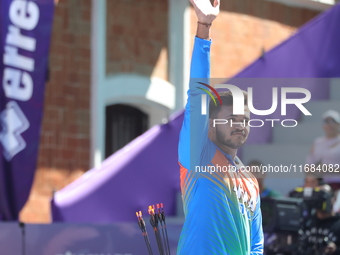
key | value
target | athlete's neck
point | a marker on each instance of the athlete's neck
(232, 152)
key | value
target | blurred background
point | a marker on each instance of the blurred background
(118, 74)
(132, 57)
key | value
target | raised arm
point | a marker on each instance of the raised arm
(195, 124)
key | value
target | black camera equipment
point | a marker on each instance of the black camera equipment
(314, 199)
(282, 219)
(286, 221)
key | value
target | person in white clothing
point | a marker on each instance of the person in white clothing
(326, 149)
(325, 154)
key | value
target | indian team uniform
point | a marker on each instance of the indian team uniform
(222, 207)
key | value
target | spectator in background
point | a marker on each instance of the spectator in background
(265, 192)
(312, 180)
(325, 152)
(326, 149)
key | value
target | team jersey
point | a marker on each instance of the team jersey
(221, 203)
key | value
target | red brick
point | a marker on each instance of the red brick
(86, 15)
(124, 44)
(68, 38)
(85, 53)
(85, 40)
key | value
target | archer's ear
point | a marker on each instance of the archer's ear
(211, 124)
(211, 130)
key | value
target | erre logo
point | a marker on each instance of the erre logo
(238, 100)
(17, 79)
(13, 123)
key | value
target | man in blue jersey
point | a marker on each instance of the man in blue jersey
(221, 200)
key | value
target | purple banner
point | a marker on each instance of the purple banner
(25, 29)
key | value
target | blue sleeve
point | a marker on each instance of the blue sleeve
(195, 124)
(257, 233)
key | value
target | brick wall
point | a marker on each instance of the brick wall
(245, 27)
(137, 37)
(65, 138)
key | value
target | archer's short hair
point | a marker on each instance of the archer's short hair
(227, 99)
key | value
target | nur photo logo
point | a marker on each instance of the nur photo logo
(238, 103)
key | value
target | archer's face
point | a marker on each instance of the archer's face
(234, 133)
